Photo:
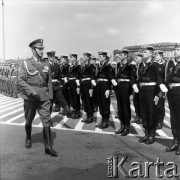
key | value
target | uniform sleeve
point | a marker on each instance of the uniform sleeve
(78, 73)
(110, 73)
(158, 73)
(50, 84)
(22, 80)
(93, 72)
(133, 74)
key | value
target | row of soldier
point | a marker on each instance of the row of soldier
(147, 76)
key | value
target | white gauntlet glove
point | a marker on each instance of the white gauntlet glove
(107, 93)
(135, 88)
(93, 82)
(163, 88)
(77, 82)
(91, 92)
(65, 80)
(114, 82)
(156, 99)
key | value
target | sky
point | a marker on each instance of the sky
(87, 26)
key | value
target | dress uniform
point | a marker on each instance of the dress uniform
(64, 67)
(137, 60)
(149, 76)
(56, 83)
(74, 86)
(87, 77)
(160, 107)
(36, 89)
(123, 91)
(104, 78)
(173, 83)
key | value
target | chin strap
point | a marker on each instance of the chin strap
(36, 54)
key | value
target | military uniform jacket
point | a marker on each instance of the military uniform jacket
(56, 75)
(87, 71)
(30, 80)
(64, 71)
(74, 71)
(105, 71)
(149, 73)
(174, 77)
(127, 71)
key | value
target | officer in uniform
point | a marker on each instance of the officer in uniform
(87, 79)
(36, 87)
(173, 82)
(104, 80)
(74, 86)
(56, 79)
(123, 91)
(149, 76)
(135, 63)
(160, 98)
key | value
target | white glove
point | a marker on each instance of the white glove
(65, 80)
(107, 93)
(93, 82)
(91, 92)
(114, 82)
(156, 99)
(77, 82)
(163, 88)
(135, 88)
(78, 90)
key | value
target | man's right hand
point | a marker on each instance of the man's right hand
(35, 96)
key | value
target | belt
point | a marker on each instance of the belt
(71, 78)
(13, 76)
(63, 78)
(85, 79)
(99, 79)
(171, 85)
(123, 80)
(38, 85)
(55, 80)
(147, 84)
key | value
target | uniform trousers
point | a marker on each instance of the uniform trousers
(160, 110)
(136, 104)
(43, 108)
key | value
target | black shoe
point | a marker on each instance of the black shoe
(28, 143)
(159, 126)
(144, 139)
(125, 132)
(120, 130)
(150, 140)
(48, 143)
(84, 120)
(89, 120)
(98, 125)
(104, 125)
(173, 147)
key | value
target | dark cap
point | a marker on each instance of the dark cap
(159, 52)
(102, 53)
(117, 51)
(64, 57)
(51, 53)
(138, 54)
(37, 44)
(126, 51)
(86, 54)
(73, 55)
(93, 58)
(147, 47)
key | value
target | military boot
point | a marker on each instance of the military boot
(173, 146)
(151, 137)
(144, 139)
(68, 112)
(47, 142)
(28, 143)
(120, 130)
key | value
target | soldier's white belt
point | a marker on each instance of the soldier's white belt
(13, 76)
(121, 80)
(55, 80)
(147, 84)
(63, 78)
(72, 78)
(85, 79)
(102, 79)
(174, 84)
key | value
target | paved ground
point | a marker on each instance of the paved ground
(83, 149)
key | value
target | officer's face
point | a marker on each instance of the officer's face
(177, 52)
(51, 58)
(147, 54)
(138, 59)
(40, 52)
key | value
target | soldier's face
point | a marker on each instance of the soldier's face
(123, 56)
(117, 58)
(72, 59)
(177, 52)
(147, 54)
(138, 59)
(102, 58)
(40, 52)
(63, 61)
(51, 58)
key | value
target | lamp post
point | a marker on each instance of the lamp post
(3, 34)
